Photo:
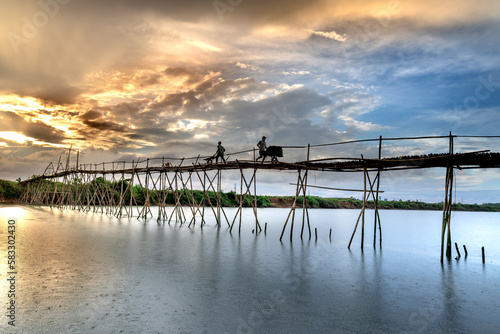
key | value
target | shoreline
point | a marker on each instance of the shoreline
(284, 202)
(11, 192)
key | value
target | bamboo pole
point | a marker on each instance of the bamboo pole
(239, 210)
(375, 202)
(218, 194)
(201, 202)
(446, 229)
(297, 192)
(252, 200)
(156, 187)
(146, 207)
(205, 191)
(192, 195)
(304, 198)
(178, 211)
(458, 251)
(450, 201)
(257, 226)
(366, 194)
(341, 189)
(354, 232)
(241, 196)
(363, 211)
(163, 196)
(188, 193)
(160, 191)
(254, 178)
(55, 184)
(295, 204)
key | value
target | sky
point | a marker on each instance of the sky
(121, 80)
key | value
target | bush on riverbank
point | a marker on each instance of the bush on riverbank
(10, 190)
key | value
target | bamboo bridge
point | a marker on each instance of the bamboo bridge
(108, 187)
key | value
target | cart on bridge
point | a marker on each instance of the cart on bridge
(274, 152)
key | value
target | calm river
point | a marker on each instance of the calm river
(80, 272)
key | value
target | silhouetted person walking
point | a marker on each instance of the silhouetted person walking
(262, 149)
(220, 153)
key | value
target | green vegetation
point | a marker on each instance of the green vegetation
(353, 203)
(89, 193)
(94, 191)
(10, 190)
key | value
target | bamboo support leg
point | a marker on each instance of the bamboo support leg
(292, 210)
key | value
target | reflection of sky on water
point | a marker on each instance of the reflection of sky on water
(84, 273)
(16, 214)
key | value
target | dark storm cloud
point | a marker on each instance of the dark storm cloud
(55, 94)
(49, 90)
(91, 115)
(126, 110)
(134, 136)
(9, 121)
(191, 77)
(105, 126)
(148, 79)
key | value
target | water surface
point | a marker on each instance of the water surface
(91, 273)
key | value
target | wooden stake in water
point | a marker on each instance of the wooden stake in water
(465, 249)
(458, 252)
(482, 251)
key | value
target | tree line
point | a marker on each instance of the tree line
(13, 190)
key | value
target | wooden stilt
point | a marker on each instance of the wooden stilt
(218, 194)
(446, 229)
(304, 198)
(205, 191)
(458, 251)
(363, 210)
(366, 194)
(292, 210)
(253, 200)
(375, 201)
(354, 232)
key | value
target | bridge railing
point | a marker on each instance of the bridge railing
(353, 149)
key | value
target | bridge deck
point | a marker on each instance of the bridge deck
(481, 159)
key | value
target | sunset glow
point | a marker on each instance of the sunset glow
(13, 136)
(122, 79)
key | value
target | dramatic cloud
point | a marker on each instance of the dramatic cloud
(126, 78)
(40, 131)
